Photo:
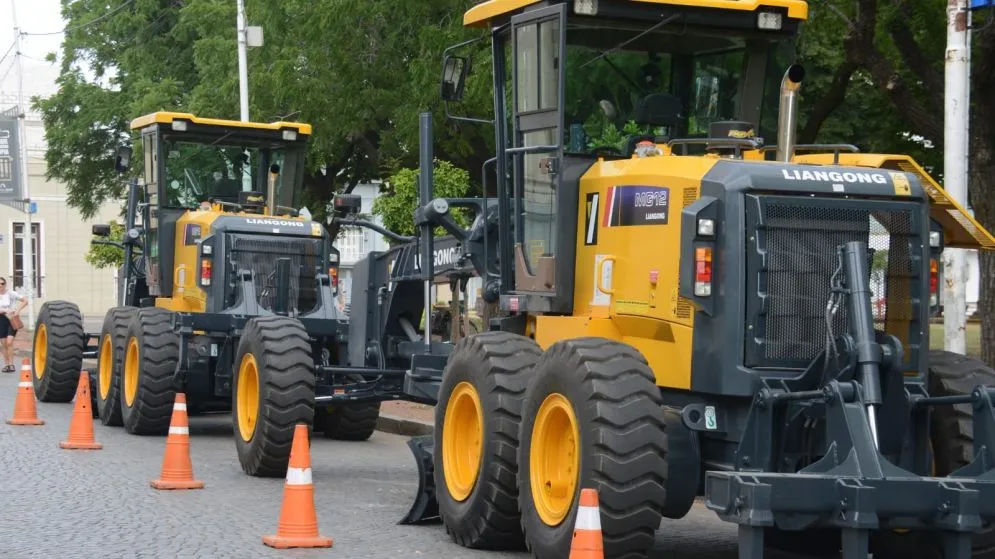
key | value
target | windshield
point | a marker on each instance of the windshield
(625, 80)
(196, 173)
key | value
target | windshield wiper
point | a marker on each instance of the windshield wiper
(652, 28)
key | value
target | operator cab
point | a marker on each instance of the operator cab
(581, 81)
(194, 164)
(634, 71)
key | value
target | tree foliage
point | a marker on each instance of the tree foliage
(359, 72)
(106, 256)
(396, 207)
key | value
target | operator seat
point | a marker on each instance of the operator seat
(656, 110)
(226, 190)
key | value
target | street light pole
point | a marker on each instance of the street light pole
(955, 166)
(27, 252)
(243, 66)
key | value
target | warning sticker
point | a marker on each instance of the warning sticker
(591, 220)
(901, 182)
(636, 205)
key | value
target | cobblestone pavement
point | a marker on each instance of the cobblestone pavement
(59, 503)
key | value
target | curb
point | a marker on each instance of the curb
(405, 427)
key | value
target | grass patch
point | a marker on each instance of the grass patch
(973, 338)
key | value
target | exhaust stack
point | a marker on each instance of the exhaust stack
(787, 120)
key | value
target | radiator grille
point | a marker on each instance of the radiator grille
(801, 259)
(259, 257)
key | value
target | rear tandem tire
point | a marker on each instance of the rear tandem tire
(355, 422)
(110, 363)
(57, 352)
(593, 419)
(273, 391)
(476, 438)
(147, 390)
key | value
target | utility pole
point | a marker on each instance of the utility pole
(243, 65)
(955, 166)
(22, 130)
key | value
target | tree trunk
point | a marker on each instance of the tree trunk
(981, 178)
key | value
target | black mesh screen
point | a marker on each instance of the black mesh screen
(801, 246)
(258, 255)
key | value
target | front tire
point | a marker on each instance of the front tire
(150, 358)
(273, 392)
(952, 440)
(57, 352)
(598, 424)
(476, 437)
(110, 362)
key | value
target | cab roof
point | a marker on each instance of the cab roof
(165, 117)
(481, 14)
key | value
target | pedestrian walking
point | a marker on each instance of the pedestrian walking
(10, 322)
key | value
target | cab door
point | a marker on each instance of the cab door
(150, 212)
(544, 217)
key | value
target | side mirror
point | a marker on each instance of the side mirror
(122, 162)
(347, 204)
(454, 72)
(102, 230)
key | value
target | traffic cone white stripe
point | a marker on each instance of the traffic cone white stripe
(179, 430)
(298, 476)
(24, 385)
(588, 518)
(180, 406)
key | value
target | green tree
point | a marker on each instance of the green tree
(358, 71)
(886, 94)
(106, 256)
(397, 205)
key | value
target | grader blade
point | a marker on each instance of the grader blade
(425, 508)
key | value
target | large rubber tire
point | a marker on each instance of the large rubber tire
(604, 396)
(57, 351)
(481, 509)
(273, 362)
(110, 362)
(355, 422)
(147, 389)
(952, 440)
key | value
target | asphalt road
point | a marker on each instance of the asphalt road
(60, 503)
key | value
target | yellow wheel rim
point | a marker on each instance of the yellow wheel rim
(131, 367)
(462, 440)
(247, 404)
(40, 350)
(554, 459)
(105, 366)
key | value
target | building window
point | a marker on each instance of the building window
(19, 257)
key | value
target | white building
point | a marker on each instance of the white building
(354, 243)
(60, 236)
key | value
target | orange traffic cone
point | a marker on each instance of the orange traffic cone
(298, 520)
(81, 425)
(177, 470)
(587, 543)
(25, 412)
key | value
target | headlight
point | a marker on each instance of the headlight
(706, 227)
(769, 21)
(586, 7)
